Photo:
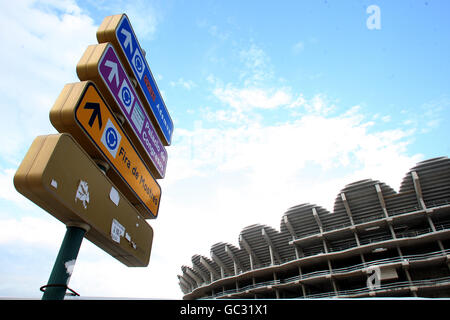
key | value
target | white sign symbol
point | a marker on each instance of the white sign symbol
(82, 193)
(114, 73)
(111, 138)
(138, 63)
(125, 96)
(127, 41)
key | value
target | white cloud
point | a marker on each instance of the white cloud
(259, 90)
(45, 40)
(299, 102)
(334, 144)
(249, 98)
(257, 67)
(298, 47)
(319, 104)
(145, 18)
(37, 232)
(386, 118)
(8, 192)
(428, 116)
(186, 84)
(145, 15)
(252, 173)
(97, 274)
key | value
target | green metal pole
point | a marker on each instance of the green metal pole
(65, 261)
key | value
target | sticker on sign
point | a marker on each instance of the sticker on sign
(117, 231)
(82, 193)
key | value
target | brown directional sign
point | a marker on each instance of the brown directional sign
(81, 111)
(60, 177)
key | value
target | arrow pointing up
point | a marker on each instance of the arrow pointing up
(127, 41)
(96, 113)
(114, 73)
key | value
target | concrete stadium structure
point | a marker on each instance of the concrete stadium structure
(376, 242)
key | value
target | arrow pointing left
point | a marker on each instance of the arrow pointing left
(95, 114)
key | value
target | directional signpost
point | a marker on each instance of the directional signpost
(117, 30)
(98, 175)
(101, 65)
(81, 111)
(61, 178)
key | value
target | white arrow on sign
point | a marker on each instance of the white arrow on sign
(114, 71)
(127, 41)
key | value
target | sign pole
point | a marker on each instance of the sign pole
(65, 261)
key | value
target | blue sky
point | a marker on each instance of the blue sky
(274, 104)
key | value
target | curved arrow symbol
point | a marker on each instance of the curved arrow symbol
(96, 113)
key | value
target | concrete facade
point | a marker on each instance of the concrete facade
(376, 242)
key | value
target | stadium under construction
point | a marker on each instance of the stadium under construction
(376, 243)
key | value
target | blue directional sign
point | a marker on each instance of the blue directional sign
(117, 30)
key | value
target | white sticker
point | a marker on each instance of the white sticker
(117, 231)
(127, 236)
(69, 268)
(114, 196)
(54, 184)
(82, 193)
(138, 117)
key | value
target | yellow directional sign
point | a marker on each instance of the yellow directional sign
(81, 111)
(61, 178)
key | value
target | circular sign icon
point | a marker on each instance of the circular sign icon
(111, 138)
(138, 63)
(126, 96)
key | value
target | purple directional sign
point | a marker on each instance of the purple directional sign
(113, 75)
